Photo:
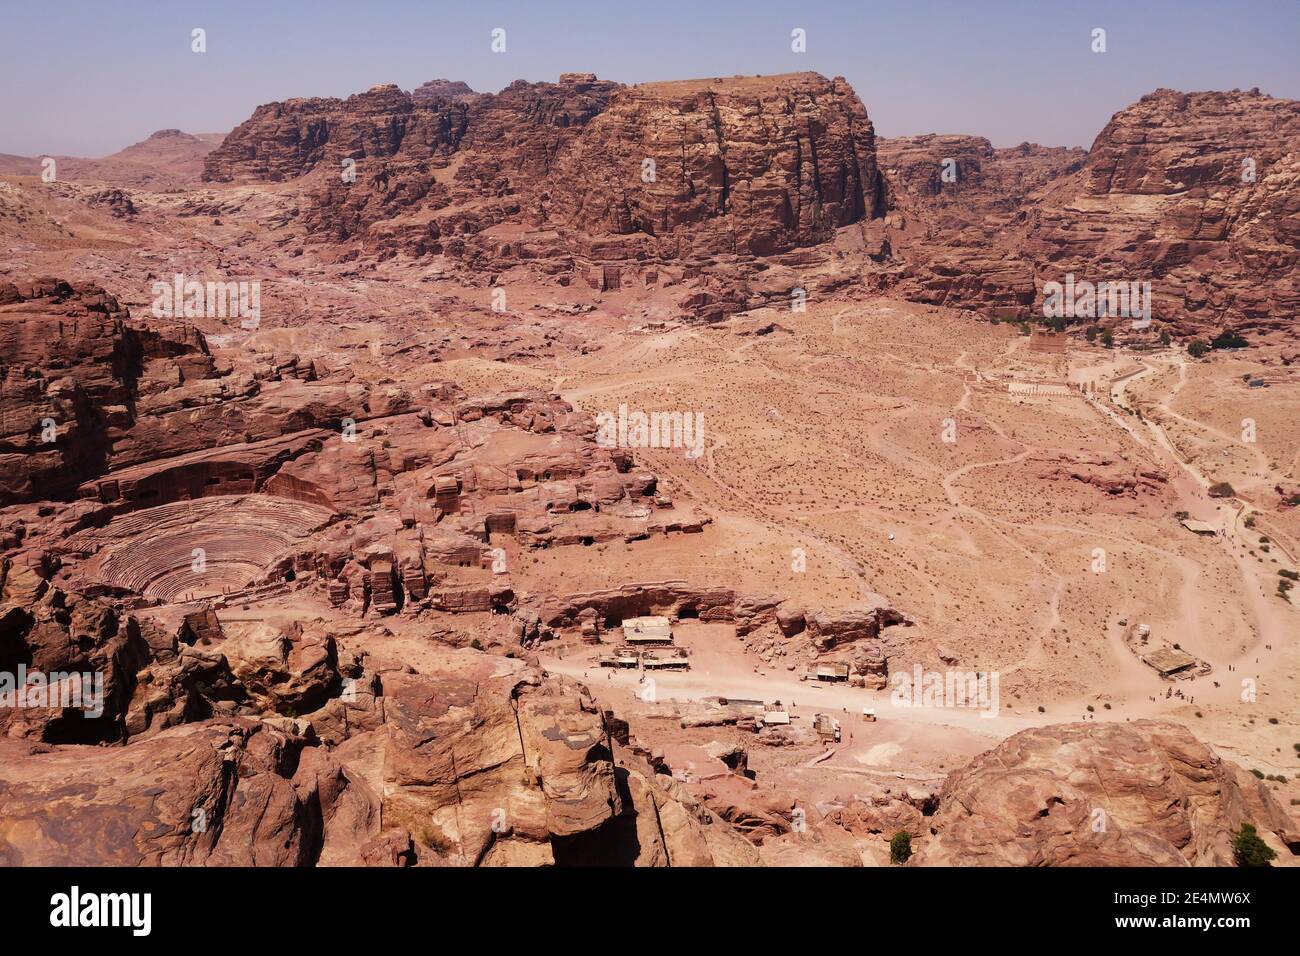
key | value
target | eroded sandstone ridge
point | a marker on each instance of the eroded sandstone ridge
(1146, 794)
(658, 185)
(1196, 193)
(675, 185)
(752, 166)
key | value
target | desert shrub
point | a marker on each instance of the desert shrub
(1248, 849)
(900, 847)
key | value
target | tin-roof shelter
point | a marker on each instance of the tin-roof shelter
(1199, 527)
(647, 630)
(1169, 661)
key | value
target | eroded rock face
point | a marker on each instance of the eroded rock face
(89, 389)
(220, 793)
(580, 178)
(1145, 793)
(86, 654)
(398, 149)
(67, 365)
(1200, 193)
(489, 771)
(951, 200)
(284, 140)
(283, 667)
(746, 165)
(1196, 193)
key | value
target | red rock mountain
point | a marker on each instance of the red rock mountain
(167, 159)
(1195, 193)
(749, 166)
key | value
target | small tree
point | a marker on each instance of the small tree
(1248, 849)
(900, 847)
(1165, 337)
(1197, 348)
(1090, 333)
(1108, 338)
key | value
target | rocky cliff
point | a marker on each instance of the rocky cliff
(1194, 193)
(746, 165)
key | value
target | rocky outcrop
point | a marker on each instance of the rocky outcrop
(951, 202)
(488, 771)
(1111, 476)
(442, 90)
(1145, 793)
(1195, 193)
(282, 667)
(86, 389)
(118, 203)
(737, 166)
(220, 793)
(1198, 193)
(827, 630)
(67, 369)
(69, 663)
(580, 176)
(285, 140)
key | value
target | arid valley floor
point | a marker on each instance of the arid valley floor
(352, 570)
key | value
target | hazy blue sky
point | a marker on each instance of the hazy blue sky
(89, 78)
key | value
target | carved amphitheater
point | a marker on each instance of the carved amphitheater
(188, 550)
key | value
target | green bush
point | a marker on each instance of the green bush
(900, 847)
(1248, 849)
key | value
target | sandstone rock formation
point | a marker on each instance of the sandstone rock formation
(745, 166)
(587, 178)
(1192, 192)
(1146, 793)
(220, 793)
